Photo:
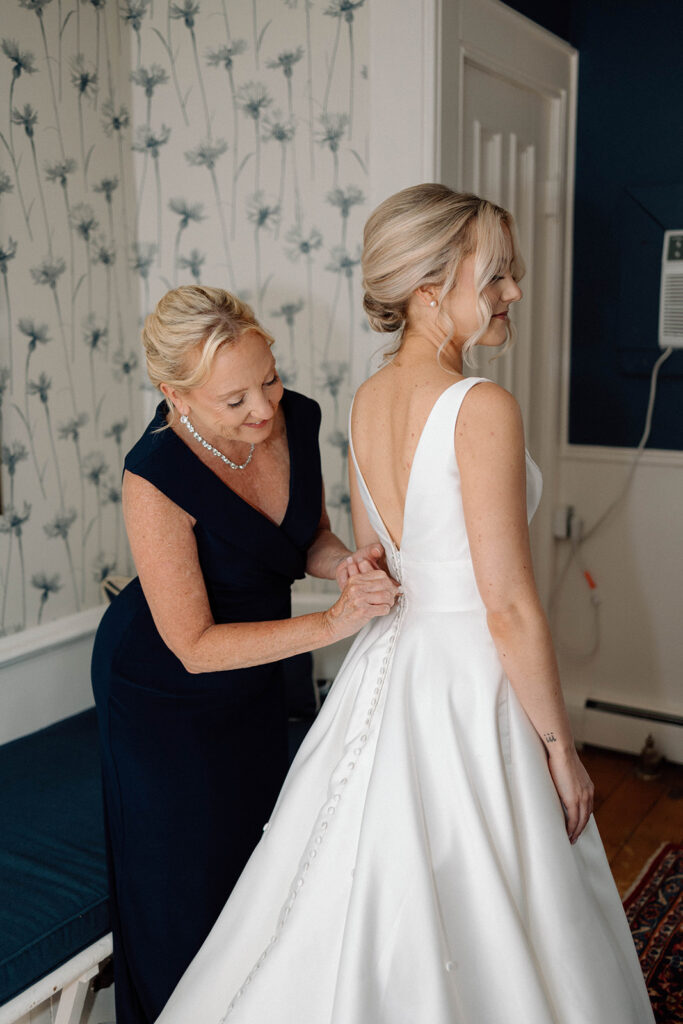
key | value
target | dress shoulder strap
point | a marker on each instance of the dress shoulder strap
(435, 452)
(447, 406)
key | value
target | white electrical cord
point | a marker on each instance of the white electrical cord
(639, 450)
(578, 539)
(575, 556)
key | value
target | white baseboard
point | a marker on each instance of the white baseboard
(625, 733)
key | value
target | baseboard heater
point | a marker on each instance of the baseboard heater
(631, 712)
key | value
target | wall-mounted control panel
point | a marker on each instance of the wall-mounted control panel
(671, 291)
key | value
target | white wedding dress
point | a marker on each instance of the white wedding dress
(416, 868)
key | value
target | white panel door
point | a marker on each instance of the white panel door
(507, 110)
(508, 131)
(472, 94)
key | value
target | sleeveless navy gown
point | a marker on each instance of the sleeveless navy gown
(192, 764)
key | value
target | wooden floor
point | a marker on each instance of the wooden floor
(635, 816)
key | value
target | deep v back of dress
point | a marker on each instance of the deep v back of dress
(434, 554)
(416, 868)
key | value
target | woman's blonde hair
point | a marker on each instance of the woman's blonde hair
(189, 321)
(419, 237)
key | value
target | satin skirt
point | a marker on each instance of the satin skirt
(416, 868)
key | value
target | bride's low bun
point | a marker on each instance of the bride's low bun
(416, 238)
(382, 318)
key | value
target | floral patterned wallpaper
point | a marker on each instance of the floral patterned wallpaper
(145, 144)
(69, 384)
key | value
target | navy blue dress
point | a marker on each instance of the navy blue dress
(192, 764)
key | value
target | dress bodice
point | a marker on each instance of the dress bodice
(434, 562)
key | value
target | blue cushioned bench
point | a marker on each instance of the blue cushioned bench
(54, 917)
(53, 875)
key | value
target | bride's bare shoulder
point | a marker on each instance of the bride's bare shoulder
(487, 400)
(488, 410)
(370, 396)
(373, 386)
(402, 385)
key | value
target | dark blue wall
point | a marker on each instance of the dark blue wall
(557, 16)
(629, 189)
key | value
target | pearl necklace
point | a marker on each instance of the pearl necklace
(214, 451)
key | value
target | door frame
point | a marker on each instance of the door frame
(418, 50)
(404, 144)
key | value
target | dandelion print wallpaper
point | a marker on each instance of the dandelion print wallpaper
(146, 144)
(69, 383)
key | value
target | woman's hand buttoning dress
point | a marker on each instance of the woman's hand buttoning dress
(432, 857)
(224, 509)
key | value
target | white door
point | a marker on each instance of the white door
(505, 157)
(507, 131)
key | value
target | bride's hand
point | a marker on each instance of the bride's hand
(574, 789)
(350, 565)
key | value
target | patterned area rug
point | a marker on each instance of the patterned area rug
(655, 912)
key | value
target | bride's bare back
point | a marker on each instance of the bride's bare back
(389, 413)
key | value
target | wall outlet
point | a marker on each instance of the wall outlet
(562, 522)
(575, 527)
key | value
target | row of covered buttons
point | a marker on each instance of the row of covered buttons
(327, 812)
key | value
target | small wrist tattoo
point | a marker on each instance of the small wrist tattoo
(550, 737)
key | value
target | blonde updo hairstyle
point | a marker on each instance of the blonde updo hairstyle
(419, 237)
(189, 322)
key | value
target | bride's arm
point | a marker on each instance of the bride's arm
(489, 447)
(326, 550)
(329, 558)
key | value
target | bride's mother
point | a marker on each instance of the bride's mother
(224, 509)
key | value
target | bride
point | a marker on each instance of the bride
(432, 858)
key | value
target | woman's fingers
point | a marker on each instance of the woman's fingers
(353, 565)
(375, 582)
(372, 553)
(572, 820)
(574, 789)
(367, 594)
(585, 810)
(585, 807)
(365, 559)
(373, 593)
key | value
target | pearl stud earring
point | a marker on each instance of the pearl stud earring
(433, 303)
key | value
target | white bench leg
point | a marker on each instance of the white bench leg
(72, 999)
